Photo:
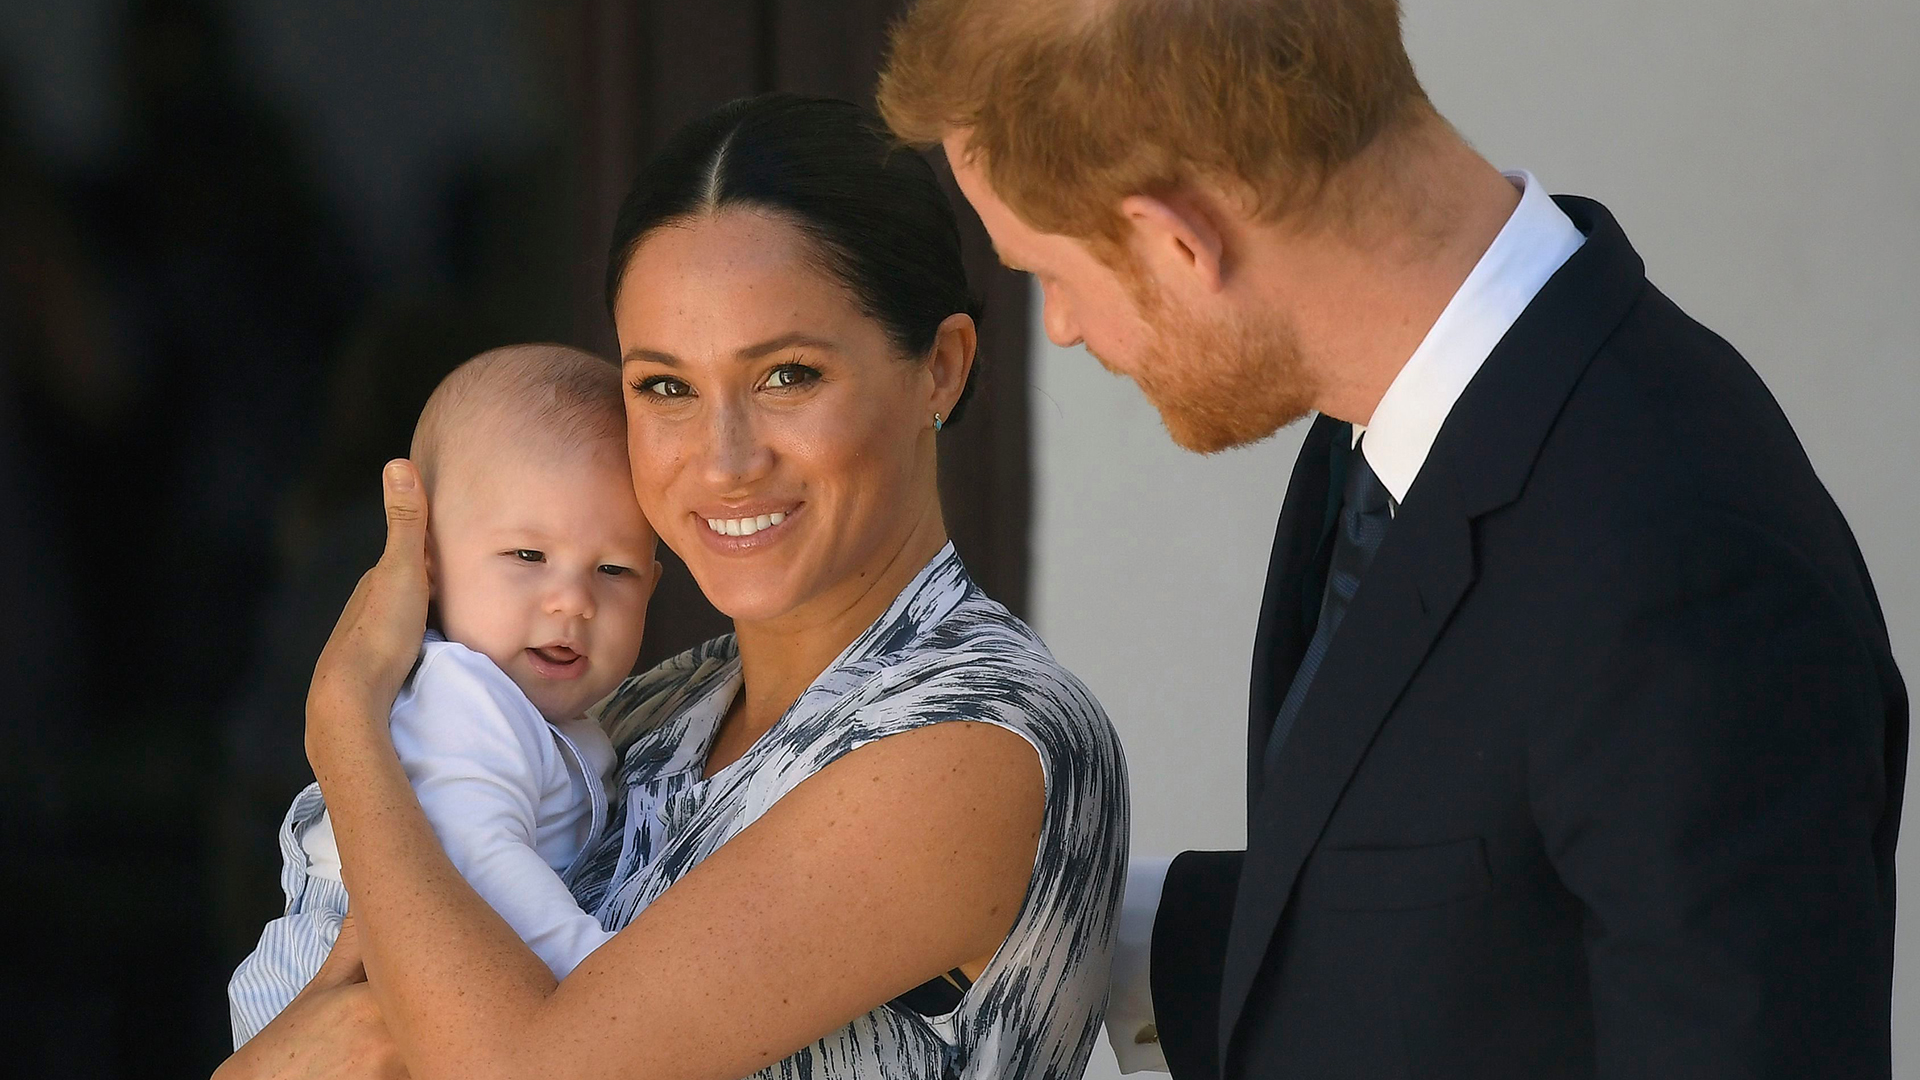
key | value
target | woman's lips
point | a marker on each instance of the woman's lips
(557, 662)
(746, 526)
(739, 532)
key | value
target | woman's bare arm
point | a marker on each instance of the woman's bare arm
(903, 859)
(331, 1030)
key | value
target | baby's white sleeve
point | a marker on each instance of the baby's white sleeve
(478, 755)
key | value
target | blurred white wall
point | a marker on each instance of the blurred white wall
(1761, 154)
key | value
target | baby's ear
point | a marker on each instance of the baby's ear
(433, 582)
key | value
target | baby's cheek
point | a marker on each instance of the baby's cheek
(485, 629)
(626, 633)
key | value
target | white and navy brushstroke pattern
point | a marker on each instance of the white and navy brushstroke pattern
(943, 651)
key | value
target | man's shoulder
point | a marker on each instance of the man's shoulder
(1669, 430)
(1640, 502)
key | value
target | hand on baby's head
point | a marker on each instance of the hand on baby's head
(541, 559)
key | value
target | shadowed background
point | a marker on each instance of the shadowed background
(240, 241)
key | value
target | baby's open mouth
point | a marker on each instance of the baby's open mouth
(556, 661)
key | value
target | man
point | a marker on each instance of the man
(1576, 745)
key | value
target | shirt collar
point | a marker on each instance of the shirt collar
(1535, 242)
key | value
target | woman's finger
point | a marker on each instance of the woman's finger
(397, 603)
(406, 504)
(377, 639)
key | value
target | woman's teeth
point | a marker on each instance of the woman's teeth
(744, 526)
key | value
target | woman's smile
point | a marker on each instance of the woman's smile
(737, 533)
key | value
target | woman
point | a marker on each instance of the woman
(877, 830)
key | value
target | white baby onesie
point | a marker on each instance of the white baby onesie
(513, 798)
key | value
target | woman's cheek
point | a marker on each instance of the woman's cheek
(653, 462)
(837, 435)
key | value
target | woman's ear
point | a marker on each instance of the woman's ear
(951, 362)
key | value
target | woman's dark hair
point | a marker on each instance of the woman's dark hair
(873, 209)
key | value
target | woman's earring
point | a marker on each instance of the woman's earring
(937, 422)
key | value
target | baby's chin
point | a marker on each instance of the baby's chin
(570, 704)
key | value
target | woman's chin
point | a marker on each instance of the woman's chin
(746, 597)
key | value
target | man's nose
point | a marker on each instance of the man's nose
(1059, 323)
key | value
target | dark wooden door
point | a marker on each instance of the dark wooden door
(648, 66)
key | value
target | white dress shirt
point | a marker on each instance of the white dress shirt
(1535, 242)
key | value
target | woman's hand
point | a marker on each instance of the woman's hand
(377, 639)
(332, 1030)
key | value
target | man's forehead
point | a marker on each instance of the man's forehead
(1003, 227)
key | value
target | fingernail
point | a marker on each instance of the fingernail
(399, 477)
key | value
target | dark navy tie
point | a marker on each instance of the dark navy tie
(1365, 512)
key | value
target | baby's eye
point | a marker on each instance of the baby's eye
(789, 376)
(611, 570)
(662, 386)
(528, 555)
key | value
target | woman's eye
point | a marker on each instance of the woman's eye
(663, 386)
(528, 555)
(788, 376)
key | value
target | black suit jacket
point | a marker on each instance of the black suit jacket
(1601, 776)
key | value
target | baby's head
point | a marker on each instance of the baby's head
(539, 556)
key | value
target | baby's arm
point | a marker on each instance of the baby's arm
(478, 755)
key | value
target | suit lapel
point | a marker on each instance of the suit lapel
(1281, 638)
(1478, 463)
(1420, 573)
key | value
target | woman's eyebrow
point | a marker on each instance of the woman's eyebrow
(785, 341)
(649, 355)
(751, 352)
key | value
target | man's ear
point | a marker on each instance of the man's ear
(1179, 235)
(951, 361)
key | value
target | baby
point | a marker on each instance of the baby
(541, 567)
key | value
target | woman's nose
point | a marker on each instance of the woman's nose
(735, 454)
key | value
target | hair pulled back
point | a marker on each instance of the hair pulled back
(873, 210)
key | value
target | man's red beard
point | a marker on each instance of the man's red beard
(1218, 386)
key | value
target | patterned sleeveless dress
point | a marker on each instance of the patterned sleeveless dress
(943, 651)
